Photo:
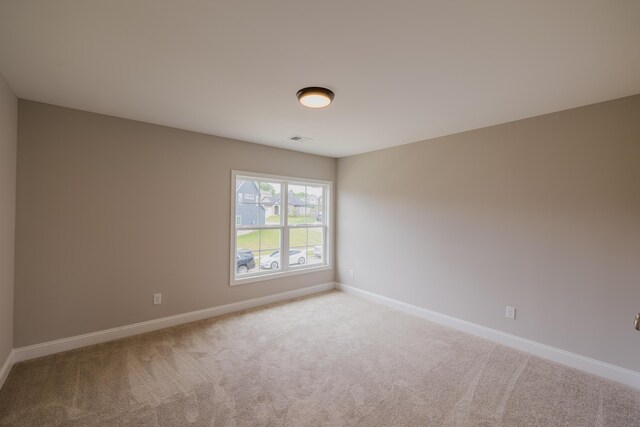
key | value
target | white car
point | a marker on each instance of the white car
(273, 261)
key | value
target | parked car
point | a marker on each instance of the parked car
(273, 260)
(244, 261)
(318, 251)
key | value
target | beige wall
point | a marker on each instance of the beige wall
(542, 214)
(8, 141)
(111, 211)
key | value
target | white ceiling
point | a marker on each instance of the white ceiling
(402, 71)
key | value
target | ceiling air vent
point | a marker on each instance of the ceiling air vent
(300, 138)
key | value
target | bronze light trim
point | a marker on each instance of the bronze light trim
(315, 97)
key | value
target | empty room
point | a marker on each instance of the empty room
(319, 213)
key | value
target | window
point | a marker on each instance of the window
(282, 226)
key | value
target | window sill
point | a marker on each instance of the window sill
(272, 276)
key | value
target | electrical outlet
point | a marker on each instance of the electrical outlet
(352, 273)
(157, 298)
(511, 312)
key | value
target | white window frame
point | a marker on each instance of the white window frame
(286, 270)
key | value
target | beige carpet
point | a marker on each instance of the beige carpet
(330, 360)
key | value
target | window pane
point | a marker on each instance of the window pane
(315, 248)
(303, 215)
(297, 214)
(270, 251)
(297, 256)
(270, 202)
(313, 215)
(315, 195)
(297, 237)
(317, 214)
(269, 217)
(270, 261)
(253, 247)
(246, 250)
(248, 240)
(298, 247)
(245, 262)
(269, 239)
(247, 191)
(309, 244)
(297, 193)
(269, 191)
(248, 214)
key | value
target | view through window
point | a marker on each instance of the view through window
(276, 216)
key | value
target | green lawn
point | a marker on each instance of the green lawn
(275, 219)
(270, 239)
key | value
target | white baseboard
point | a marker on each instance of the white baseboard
(6, 367)
(596, 367)
(566, 358)
(64, 344)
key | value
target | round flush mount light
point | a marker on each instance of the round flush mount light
(315, 97)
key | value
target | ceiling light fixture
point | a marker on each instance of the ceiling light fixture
(315, 97)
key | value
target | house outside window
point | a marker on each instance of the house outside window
(262, 234)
